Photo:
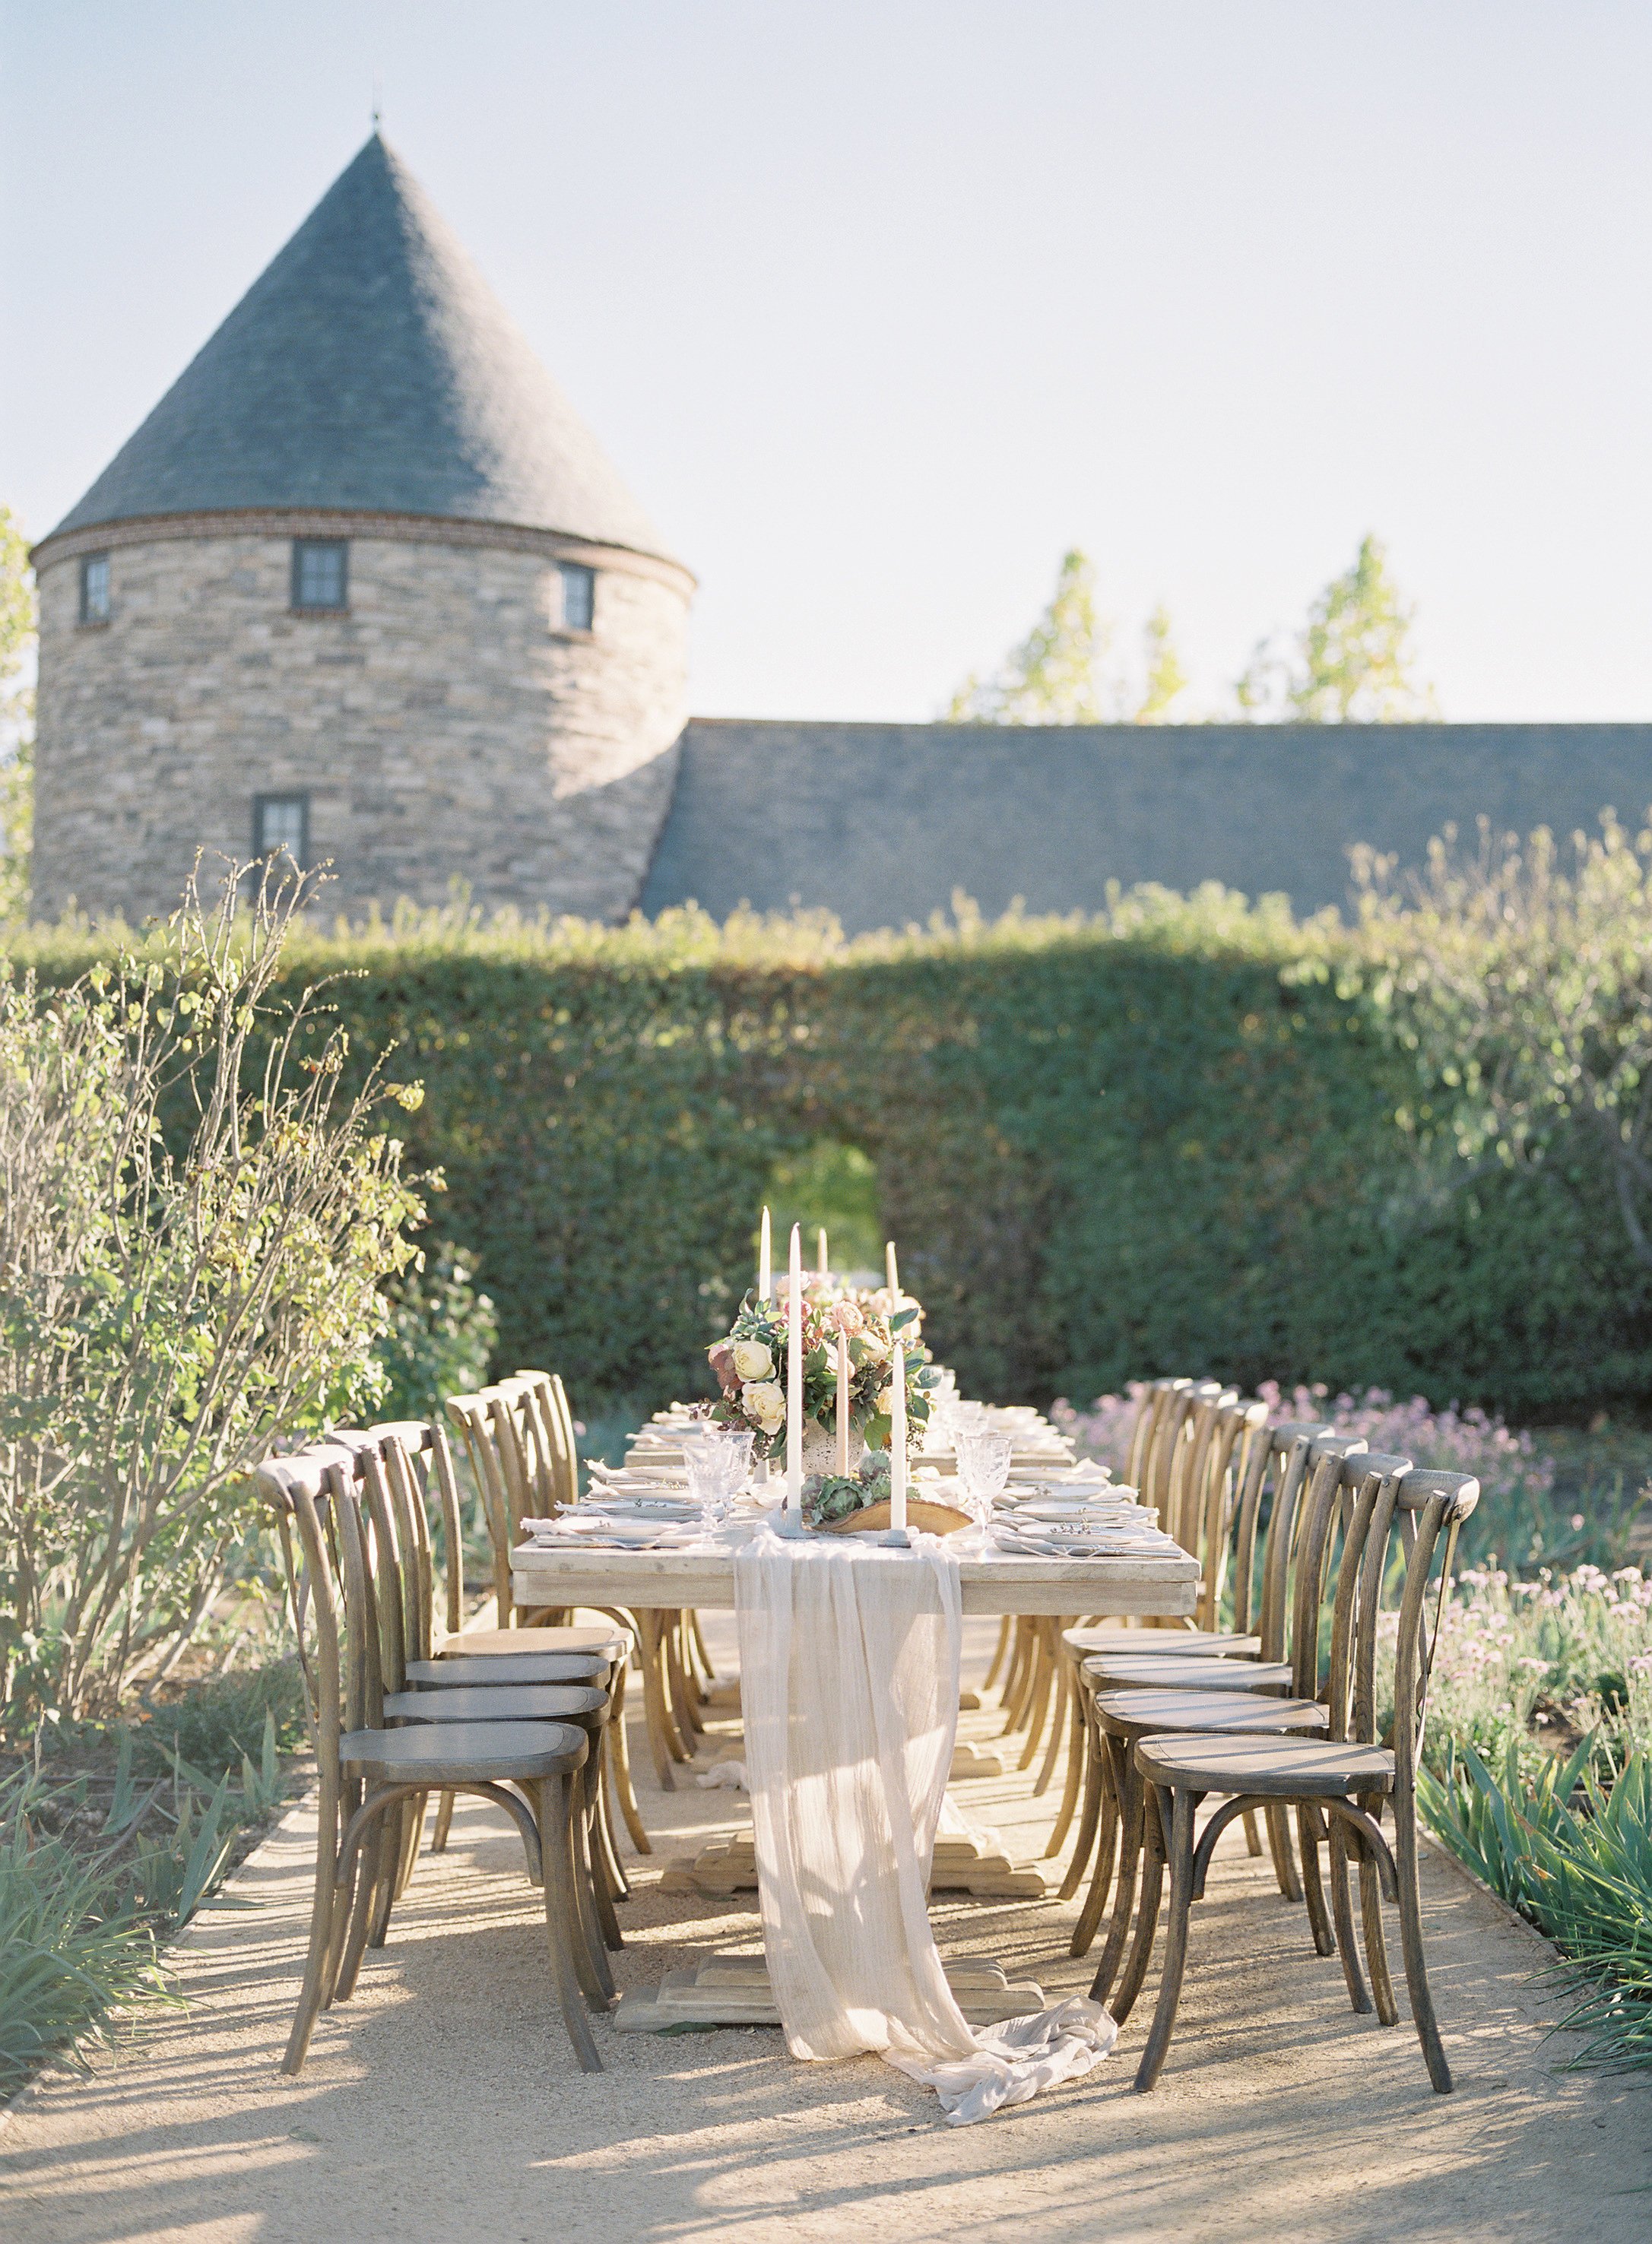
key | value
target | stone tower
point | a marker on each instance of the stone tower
(363, 585)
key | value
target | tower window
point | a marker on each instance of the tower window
(94, 589)
(321, 574)
(579, 596)
(282, 822)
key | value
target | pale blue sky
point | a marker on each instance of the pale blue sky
(880, 306)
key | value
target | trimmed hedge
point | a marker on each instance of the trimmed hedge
(1161, 1140)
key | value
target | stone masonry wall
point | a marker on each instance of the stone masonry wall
(444, 727)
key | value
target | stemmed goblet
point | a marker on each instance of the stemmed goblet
(983, 1469)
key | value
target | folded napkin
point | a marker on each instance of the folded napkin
(1097, 1543)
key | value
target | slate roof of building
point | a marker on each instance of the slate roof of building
(371, 368)
(883, 823)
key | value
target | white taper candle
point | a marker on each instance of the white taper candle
(795, 1376)
(898, 1441)
(765, 1261)
(821, 1263)
(891, 1275)
(842, 1402)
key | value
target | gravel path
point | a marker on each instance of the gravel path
(442, 2103)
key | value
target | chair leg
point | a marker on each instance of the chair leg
(1175, 1938)
(1123, 2000)
(1077, 1770)
(654, 1699)
(613, 1867)
(1342, 1910)
(1040, 1701)
(313, 1986)
(1059, 1724)
(1284, 1861)
(414, 1839)
(1411, 1937)
(1370, 1911)
(589, 1951)
(618, 1751)
(1126, 1798)
(1088, 1764)
(1313, 1892)
(1006, 1631)
(369, 1879)
(559, 1919)
(1253, 1836)
(443, 1822)
(601, 1893)
(681, 1696)
(1018, 1690)
(1108, 1851)
(708, 1672)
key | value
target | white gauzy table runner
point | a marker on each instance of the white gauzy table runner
(849, 1678)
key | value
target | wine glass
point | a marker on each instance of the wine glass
(983, 1468)
(718, 1460)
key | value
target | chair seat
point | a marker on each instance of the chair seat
(1292, 1768)
(466, 1753)
(1161, 1643)
(496, 1702)
(607, 1641)
(522, 1667)
(1269, 1677)
(1138, 1712)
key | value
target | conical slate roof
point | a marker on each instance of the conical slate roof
(371, 368)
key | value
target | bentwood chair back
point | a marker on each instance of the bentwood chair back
(350, 1606)
(1155, 1400)
(1340, 1785)
(547, 1400)
(1131, 1696)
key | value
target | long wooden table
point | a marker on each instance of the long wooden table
(733, 1990)
(1160, 1585)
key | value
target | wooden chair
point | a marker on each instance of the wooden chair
(497, 1660)
(369, 1774)
(1340, 1784)
(1130, 1698)
(1218, 1496)
(514, 1463)
(1042, 1683)
(400, 1551)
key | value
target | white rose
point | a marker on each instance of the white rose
(873, 1349)
(765, 1402)
(752, 1360)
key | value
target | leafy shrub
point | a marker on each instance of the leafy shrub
(442, 1336)
(215, 1722)
(195, 1216)
(1188, 1132)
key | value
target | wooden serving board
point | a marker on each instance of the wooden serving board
(929, 1517)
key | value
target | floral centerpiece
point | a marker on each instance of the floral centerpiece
(750, 1364)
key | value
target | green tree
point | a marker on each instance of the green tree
(1352, 662)
(17, 717)
(1051, 679)
(1166, 679)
